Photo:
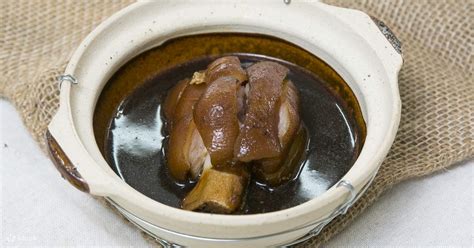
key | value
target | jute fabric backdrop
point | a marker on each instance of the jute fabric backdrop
(38, 37)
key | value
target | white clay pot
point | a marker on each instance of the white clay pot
(350, 41)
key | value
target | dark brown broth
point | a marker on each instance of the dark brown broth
(137, 134)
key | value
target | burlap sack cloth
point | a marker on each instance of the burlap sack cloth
(436, 83)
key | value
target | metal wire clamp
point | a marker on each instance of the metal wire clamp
(66, 77)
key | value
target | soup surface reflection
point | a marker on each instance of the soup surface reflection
(136, 135)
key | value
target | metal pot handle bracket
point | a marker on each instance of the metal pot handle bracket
(352, 197)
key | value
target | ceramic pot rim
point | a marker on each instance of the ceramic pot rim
(72, 126)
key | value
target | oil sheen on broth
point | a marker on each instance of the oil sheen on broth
(134, 143)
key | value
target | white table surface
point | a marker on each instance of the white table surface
(39, 208)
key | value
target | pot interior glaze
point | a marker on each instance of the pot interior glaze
(143, 74)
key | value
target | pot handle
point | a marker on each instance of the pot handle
(63, 164)
(70, 158)
(389, 35)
